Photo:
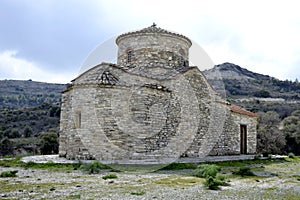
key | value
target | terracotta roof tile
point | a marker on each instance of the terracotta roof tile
(237, 109)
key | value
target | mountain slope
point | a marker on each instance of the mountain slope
(28, 108)
(233, 81)
(18, 94)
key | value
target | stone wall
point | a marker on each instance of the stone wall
(212, 109)
(109, 114)
(229, 141)
(131, 117)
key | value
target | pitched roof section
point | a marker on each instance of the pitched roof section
(153, 29)
(237, 109)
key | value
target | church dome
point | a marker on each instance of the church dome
(153, 47)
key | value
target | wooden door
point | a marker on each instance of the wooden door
(243, 138)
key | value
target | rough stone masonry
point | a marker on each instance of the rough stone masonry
(150, 107)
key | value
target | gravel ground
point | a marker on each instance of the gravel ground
(74, 184)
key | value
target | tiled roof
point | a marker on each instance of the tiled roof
(152, 29)
(237, 109)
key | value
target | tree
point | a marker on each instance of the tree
(6, 147)
(27, 131)
(49, 142)
(269, 138)
(54, 112)
(262, 93)
(14, 133)
(291, 129)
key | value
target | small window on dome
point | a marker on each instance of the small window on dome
(181, 52)
(129, 56)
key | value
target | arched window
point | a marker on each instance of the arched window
(78, 119)
(182, 57)
(129, 56)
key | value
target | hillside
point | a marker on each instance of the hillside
(17, 94)
(233, 81)
(27, 109)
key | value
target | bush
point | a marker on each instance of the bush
(49, 142)
(262, 93)
(6, 146)
(212, 183)
(27, 132)
(244, 171)
(212, 179)
(291, 155)
(92, 168)
(109, 176)
(138, 193)
(206, 170)
(9, 174)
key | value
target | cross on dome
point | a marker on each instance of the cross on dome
(153, 25)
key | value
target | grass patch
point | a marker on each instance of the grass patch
(110, 176)
(86, 167)
(51, 166)
(75, 196)
(180, 166)
(93, 168)
(136, 167)
(16, 162)
(11, 161)
(292, 158)
(138, 193)
(6, 174)
(297, 177)
(244, 171)
(242, 163)
(179, 181)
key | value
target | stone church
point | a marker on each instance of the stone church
(150, 107)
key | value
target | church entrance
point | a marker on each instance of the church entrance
(243, 138)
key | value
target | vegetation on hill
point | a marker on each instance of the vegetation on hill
(16, 94)
(27, 110)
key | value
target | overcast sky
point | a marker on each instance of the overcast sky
(48, 40)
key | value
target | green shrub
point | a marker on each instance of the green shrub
(9, 174)
(49, 142)
(138, 193)
(212, 179)
(92, 168)
(291, 155)
(51, 166)
(244, 171)
(221, 177)
(109, 176)
(206, 170)
(212, 183)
